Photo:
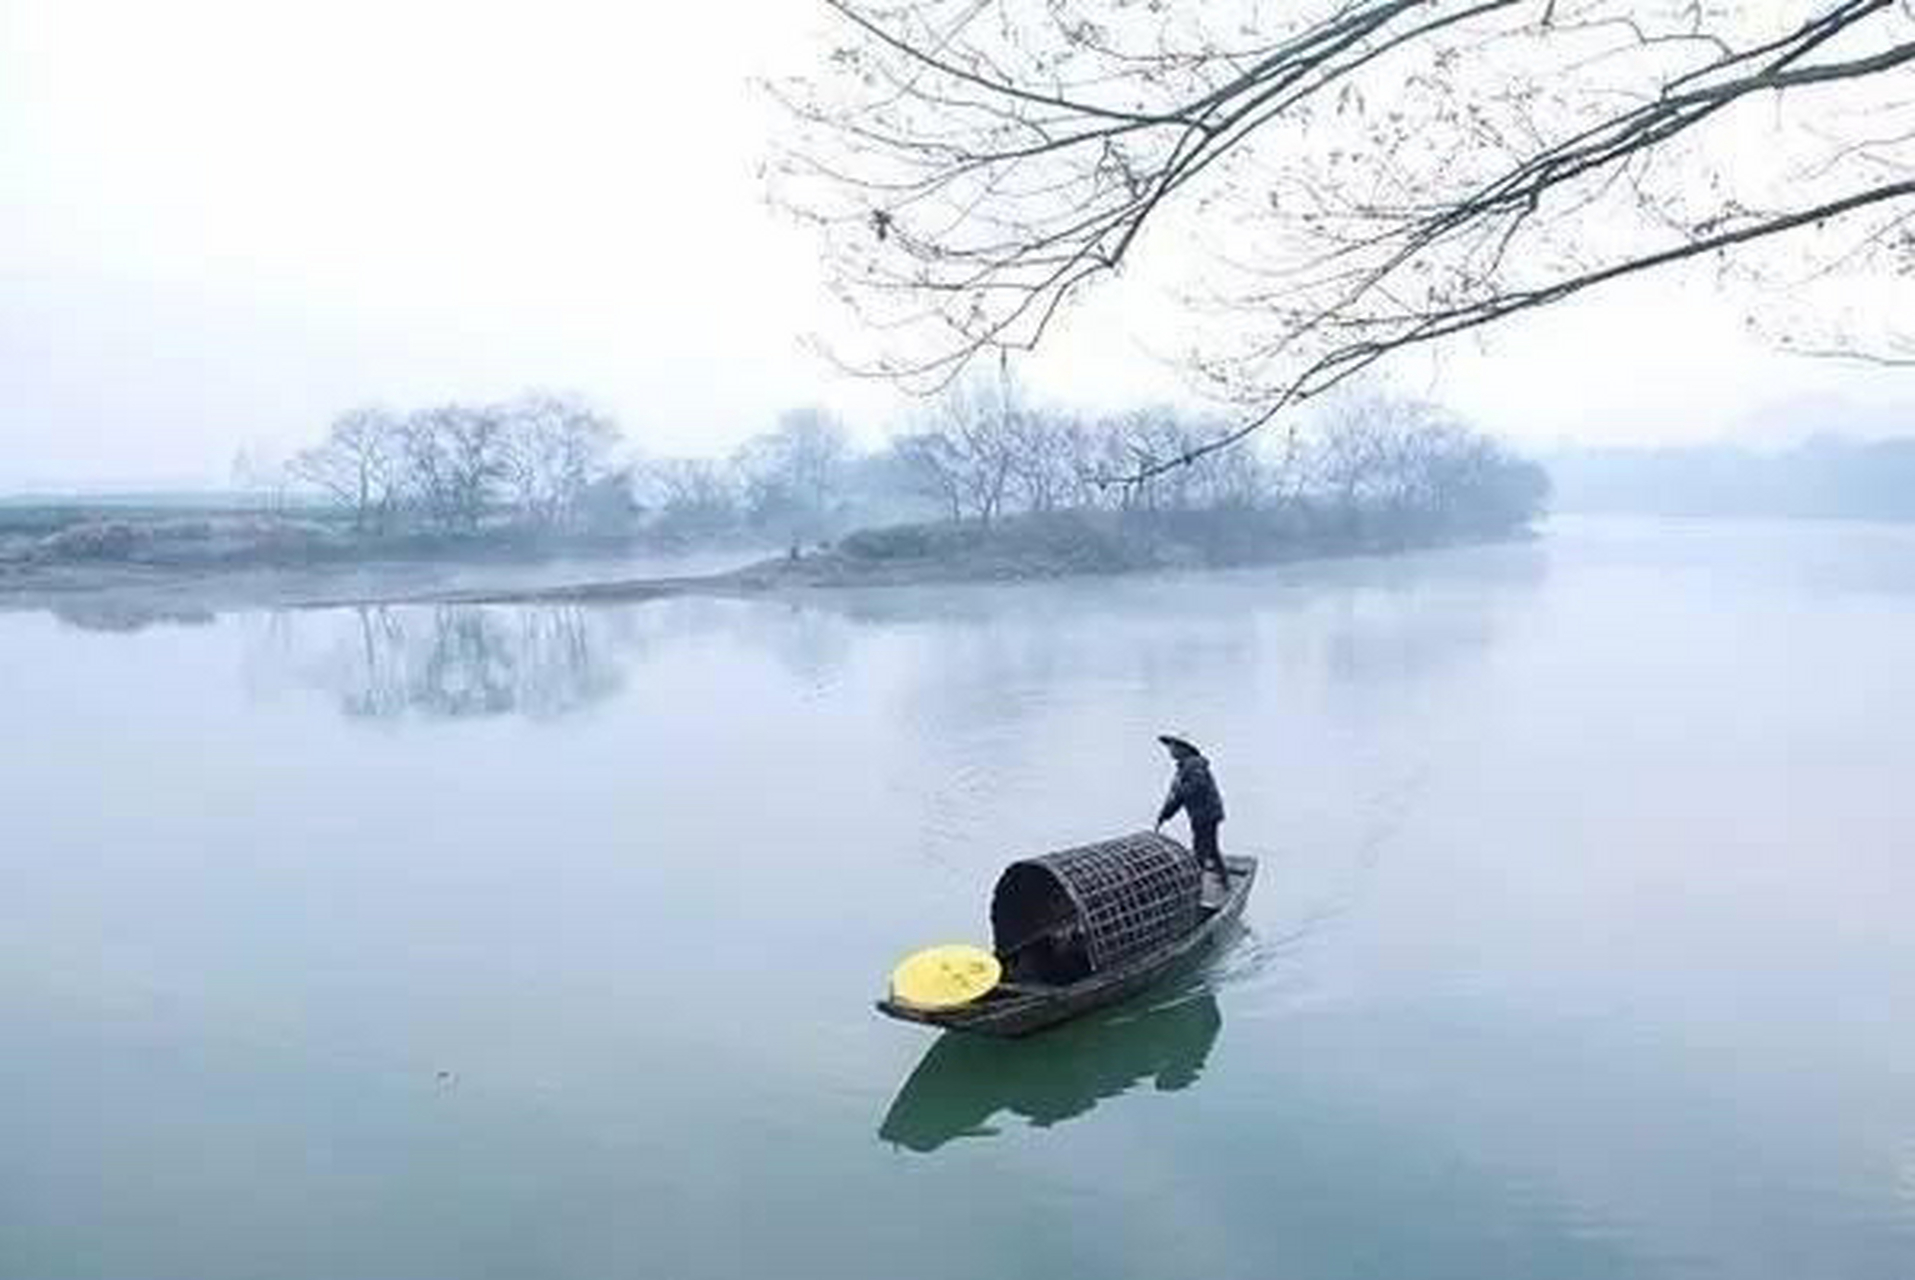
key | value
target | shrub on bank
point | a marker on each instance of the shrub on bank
(189, 540)
(1062, 541)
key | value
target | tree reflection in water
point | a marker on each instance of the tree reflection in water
(1058, 1075)
(470, 661)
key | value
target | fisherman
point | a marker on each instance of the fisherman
(1195, 792)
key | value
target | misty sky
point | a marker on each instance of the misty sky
(222, 222)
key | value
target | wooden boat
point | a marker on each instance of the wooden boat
(1087, 927)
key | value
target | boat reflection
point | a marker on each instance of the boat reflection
(964, 1081)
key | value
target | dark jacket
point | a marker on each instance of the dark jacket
(1195, 790)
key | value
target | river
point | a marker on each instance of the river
(427, 943)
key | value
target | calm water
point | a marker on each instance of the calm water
(419, 944)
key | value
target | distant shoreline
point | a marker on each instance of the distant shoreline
(141, 576)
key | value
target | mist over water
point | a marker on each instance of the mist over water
(509, 941)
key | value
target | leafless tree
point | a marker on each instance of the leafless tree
(1042, 446)
(1081, 441)
(792, 477)
(1201, 478)
(934, 469)
(1374, 456)
(813, 447)
(450, 466)
(1354, 446)
(1149, 433)
(1360, 176)
(984, 452)
(967, 446)
(456, 459)
(1232, 479)
(693, 497)
(359, 465)
(555, 449)
(1100, 452)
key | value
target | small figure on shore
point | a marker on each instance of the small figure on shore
(1195, 792)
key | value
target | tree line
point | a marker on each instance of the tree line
(539, 460)
(979, 453)
(550, 463)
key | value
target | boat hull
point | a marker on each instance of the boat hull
(1018, 1009)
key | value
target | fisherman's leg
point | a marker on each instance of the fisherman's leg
(1203, 840)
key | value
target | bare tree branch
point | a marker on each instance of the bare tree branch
(1329, 182)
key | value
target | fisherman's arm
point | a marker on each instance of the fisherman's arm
(1172, 802)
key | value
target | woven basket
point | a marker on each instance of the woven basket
(1122, 897)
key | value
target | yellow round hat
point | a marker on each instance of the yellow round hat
(944, 977)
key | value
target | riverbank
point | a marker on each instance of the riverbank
(177, 570)
(117, 565)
